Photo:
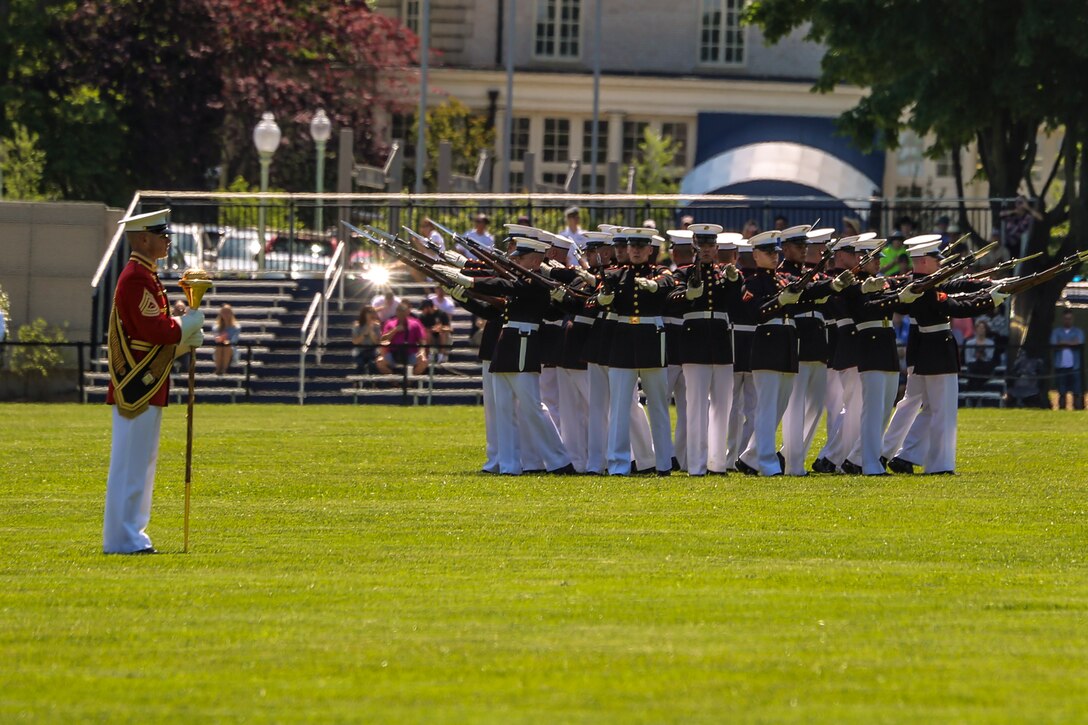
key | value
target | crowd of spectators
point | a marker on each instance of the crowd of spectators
(389, 335)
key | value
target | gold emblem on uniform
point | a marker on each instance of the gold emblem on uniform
(147, 379)
(635, 319)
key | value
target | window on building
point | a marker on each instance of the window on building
(558, 28)
(409, 14)
(401, 128)
(632, 137)
(721, 37)
(556, 139)
(589, 188)
(944, 166)
(587, 141)
(678, 132)
(519, 138)
(554, 178)
(908, 157)
(517, 181)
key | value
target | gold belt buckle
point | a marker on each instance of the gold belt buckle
(635, 319)
(885, 323)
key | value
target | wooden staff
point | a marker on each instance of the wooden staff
(195, 282)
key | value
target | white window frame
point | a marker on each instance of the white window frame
(557, 55)
(742, 30)
(408, 18)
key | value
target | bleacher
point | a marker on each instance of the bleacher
(271, 313)
(994, 390)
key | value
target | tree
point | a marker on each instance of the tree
(1018, 71)
(652, 168)
(467, 132)
(23, 164)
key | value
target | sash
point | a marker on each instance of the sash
(135, 382)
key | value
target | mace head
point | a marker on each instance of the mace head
(195, 282)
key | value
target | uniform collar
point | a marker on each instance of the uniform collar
(142, 261)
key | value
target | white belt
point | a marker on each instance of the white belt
(611, 316)
(555, 323)
(845, 322)
(744, 328)
(639, 320)
(673, 321)
(584, 320)
(873, 324)
(522, 326)
(941, 327)
(706, 315)
(788, 321)
(814, 314)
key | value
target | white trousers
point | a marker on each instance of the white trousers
(709, 400)
(833, 405)
(773, 391)
(904, 416)
(574, 415)
(940, 396)
(678, 392)
(597, 433)
(491, 436)
(742, 417)
(549, 393)
(134, 452)
(803, 415)
(847, 429)
(523, 390)
(878, 391)
(623, 385)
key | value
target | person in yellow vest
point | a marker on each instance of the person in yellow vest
(143, 342)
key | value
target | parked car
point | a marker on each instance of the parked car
(186, 249)
(297, 253)
(237, 251)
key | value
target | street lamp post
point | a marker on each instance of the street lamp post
(266, 137)
(320, 130)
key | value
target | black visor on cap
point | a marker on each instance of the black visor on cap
(638, 242)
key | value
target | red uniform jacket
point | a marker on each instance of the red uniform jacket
(143, 308)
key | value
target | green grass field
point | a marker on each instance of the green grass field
(349, 564)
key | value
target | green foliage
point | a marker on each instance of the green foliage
(349, 560)
(5, 305)
(38, 360)
(23, 164)
(467, 133)
(653, 169)
(243, 213)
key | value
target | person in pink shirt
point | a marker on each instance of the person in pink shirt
(402, 335)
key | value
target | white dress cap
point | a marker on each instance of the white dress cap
(153, 221)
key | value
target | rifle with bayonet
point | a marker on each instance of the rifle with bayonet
(1022, 284)
(951, 258)
(1003, 267)
(803, 281)
(422, 264)
(944, 274)
(501, 263)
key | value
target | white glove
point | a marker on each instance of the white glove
(191, 320)
(588, 277)
(906, 296)
(843, 281)
(454, 273)
(694, 293)
(455, 258)
(788, 297)
(646, 284)
(181, 349)
(872, 284)
(731, 272)
(557, 294)
(604, 299)
(553, 263)
(998, 296)
(457, 293)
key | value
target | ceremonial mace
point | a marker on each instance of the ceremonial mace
(195, 282)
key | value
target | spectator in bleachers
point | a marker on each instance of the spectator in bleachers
(941, 227)
(385, 305)
(1017, 224)
(403, 335)
(426, 229)
(997, 325)
(366, 335)
(479, 231)
(686, 221)
(1068, 344)
(893, 253)
(963, 328)
(442, 300)
(979, 357)
(751, 228)
(781, 222)
(227, 332)
(439, 331)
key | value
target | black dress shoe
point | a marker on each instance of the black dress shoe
(718, 473)
(900, 465)
(851, 468)
(884, 461)
(941, 473)
(746, 469)
(645, 471)
(781, 460)
(675, 463)
(567, 470)
(663, 474)
(882, 473)
(148, 550)
(822, 465)
(534, 472)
